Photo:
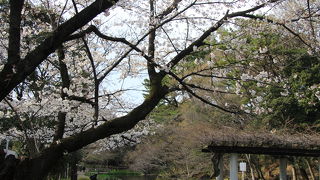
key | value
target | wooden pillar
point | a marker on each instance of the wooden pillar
(220, 177)
(7, 143)
(319, 168)
(234, 166)
(283, 168)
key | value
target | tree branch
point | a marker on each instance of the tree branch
(151, 46)
(170, 40)
(140, 40)
(14, 32)
(281, 24)
(185, 86)
(207, 89)
(207, 33)
(60, 126)
(110, 127)
(167, 11)
(9, 80)
(95, 77)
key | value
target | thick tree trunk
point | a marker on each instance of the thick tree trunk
(37, 168)
(73, 170)
(8, 167)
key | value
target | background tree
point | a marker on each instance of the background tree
(276, 77)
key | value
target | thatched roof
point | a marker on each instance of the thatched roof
(236, 141)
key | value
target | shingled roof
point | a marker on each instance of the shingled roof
(237, 141)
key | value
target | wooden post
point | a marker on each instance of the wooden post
(7, 143)
(319, 168)
(283, 168)
(234, 166)
(220, 177)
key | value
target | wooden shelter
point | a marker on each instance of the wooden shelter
(282, 145)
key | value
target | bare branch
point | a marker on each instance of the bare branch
(96, 81)
(172, 7)
(230, 78)
(81, 99)
(197, 43)
(171, 42)
(208, 89)
(199, 97)
(81, 34)
(278, 23)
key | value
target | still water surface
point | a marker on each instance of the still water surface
(132, 178)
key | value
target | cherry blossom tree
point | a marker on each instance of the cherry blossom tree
(62, 63)
(271, 73)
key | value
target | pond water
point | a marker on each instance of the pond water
(132, 178)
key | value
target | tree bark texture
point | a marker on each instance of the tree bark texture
(60, 126)
(8, 167)
(14, 31)
(73, 170)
